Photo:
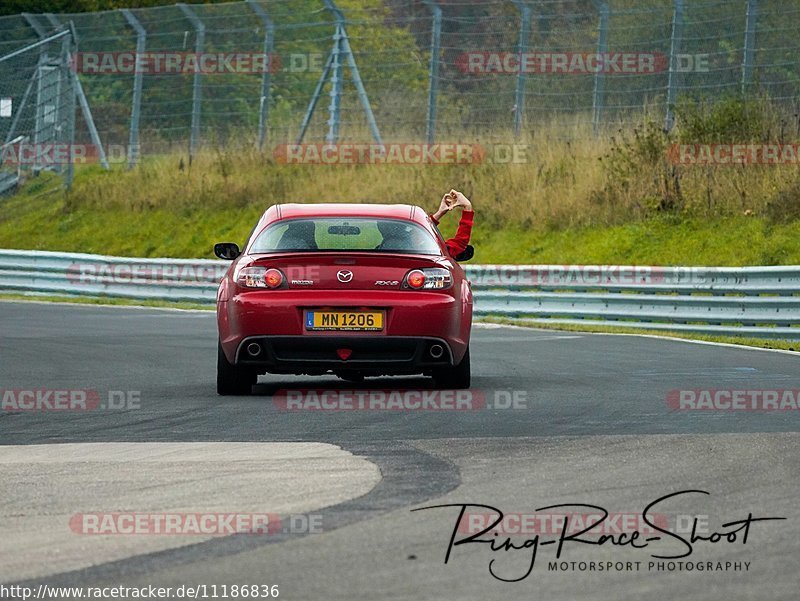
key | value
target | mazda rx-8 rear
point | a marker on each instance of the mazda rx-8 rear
(354, 290)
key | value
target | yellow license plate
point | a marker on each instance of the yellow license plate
(344, 320)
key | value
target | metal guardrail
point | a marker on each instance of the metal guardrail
(78, 274)
(738, 301)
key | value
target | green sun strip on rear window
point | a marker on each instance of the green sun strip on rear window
(346, 234)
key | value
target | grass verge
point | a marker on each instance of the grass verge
(54, 222)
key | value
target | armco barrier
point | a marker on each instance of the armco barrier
(736, 301)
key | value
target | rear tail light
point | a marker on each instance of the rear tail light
(415, 279)
(428, 279)
(260, 277)
(273, 278)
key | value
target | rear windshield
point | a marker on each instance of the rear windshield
(346, 234)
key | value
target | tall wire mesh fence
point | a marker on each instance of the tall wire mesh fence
(37, 109)
(269, 72)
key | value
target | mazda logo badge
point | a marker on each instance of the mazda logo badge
(344, 276)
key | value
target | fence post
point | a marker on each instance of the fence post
(314, 99)
(749, 43)
(674, 51)
(362, 93)
(342, 51)
(599, 77)
(136, 103)
(433, 70)
(522, 50)
(66, 52)
(266, 76)
(334, 108)
(197, 90)
(341, 48)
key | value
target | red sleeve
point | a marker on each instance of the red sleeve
(458, 243)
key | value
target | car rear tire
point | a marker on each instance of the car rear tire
(457, 377)
(233, 379)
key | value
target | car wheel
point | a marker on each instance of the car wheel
(232, 379)
(456, 377)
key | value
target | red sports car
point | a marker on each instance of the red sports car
(350, 289)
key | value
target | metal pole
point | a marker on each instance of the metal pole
(136, 102)
(70, 96)
(341, 51)
(266, 77)
(56, 25)
(674, 51)
(87, 116)
(42, 42)
(334, 108)
(197, 90)
(522, 50)
(315, 98)
(599, 77)
(362, 93)
(40, 31)
(433, 71)
(749, 43)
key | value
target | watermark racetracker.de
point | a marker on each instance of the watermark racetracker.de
(734, 154)
(401, 153)
(131, 272)
(46, 154)
(398, 400)
(734, 400)
(206, 63)
(478, 62)
(68, 399)
(199, 523)
(173, 63)
(589, 275)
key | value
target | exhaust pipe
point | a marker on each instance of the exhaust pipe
(254, 349)
(436, 351)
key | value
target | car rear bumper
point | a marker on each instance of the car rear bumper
(369, 355)
(412, 322)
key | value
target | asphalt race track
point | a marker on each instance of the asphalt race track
(591, 425)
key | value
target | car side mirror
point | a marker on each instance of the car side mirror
(227, 250)
(466, 254)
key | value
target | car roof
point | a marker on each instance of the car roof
(330, 209)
